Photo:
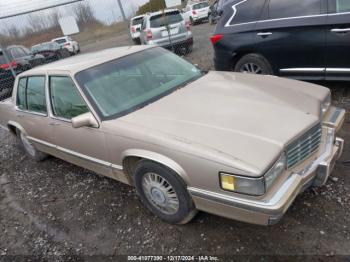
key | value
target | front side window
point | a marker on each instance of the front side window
(287, 8)
(21, 93)
(341, 6)
(248, 11)
(123, 85)
(65, 99)
(36, 101)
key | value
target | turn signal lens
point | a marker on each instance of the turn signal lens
(243, 185)
(228, 182)
(215, 38)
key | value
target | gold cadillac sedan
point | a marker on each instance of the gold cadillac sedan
(236, 145)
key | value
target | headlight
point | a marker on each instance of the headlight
(275, 171)
(253, 186)
(243, 185)
(326, 104)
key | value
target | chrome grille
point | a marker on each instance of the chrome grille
(304, 146)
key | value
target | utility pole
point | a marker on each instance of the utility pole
(122, 10)
(125, 20)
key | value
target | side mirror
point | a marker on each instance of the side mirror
(86, 119)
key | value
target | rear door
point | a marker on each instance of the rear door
(338, 40)
(292, 36)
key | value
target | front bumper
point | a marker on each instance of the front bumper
(270, 211)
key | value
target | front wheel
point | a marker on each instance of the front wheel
(253, 64)
(163, 192)
(29, 149)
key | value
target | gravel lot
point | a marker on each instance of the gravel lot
(61, 212)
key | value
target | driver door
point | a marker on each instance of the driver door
(83, 146)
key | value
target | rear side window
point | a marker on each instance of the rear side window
(65, 99)
(36, 101)
(21, 94)
(287, 8)
(165, 19)
(248, 11)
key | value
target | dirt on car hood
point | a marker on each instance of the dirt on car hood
(251, 118)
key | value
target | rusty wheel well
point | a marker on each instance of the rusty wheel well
(12, 129)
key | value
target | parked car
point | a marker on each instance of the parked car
(23, 58)
(6, 83)
(157, 27)
(68, 43)
(214, 11)
(51, 51)
(197, 12)
(309, 40)
(135, 28)
(237, 145)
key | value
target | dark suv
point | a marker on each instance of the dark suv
(308, 39)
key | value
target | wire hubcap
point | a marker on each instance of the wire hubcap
(160, 193)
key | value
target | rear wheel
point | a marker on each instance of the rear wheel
(253, 64)
(192, 21)
(164, 193)
(29, 149)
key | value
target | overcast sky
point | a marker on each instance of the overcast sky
(105, 10)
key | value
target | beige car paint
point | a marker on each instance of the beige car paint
(234, 123)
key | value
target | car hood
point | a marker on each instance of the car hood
(248, 119)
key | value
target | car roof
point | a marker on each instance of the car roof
(137, 17)
(161, 12)
(81, 62)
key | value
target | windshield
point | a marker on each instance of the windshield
(201, 5)
(137, 21)
(60, 41)
(121, 86)
(165, 19)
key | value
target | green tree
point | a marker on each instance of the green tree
(151, 6)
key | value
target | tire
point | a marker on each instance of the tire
(253, 64)
(29, 149)
(157, 186)
(189, 49)
(192, 21)
(210, 19)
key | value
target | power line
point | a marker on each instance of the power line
(39, 9)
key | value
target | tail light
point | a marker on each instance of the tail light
(194, 12)
(187, 24)
(215, 38)
(67, 44)
(149, 34)
(7, 66)
(133, 29)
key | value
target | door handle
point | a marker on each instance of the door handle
(264, 34)
(340, 30)
(20, 116)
